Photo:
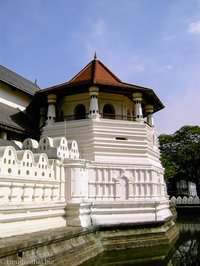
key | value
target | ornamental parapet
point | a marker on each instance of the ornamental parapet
(55, 148)
(185, 200)
(32, 174)
(26, 177)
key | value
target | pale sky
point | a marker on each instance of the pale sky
(152, 43)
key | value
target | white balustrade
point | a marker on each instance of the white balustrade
(120, 184)
(57, 147)
(26, 177)
(73, 149)
(185, 200)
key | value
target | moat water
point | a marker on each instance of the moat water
(186, 251)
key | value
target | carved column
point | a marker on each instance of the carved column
(149, 112)
(51, 112)
(137, 99)
(94, 107)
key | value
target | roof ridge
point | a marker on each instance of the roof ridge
(109, 71)
(18, 74)
(95, 71)
(81, 71)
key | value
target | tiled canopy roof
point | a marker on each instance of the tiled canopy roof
(96, 72)
(93, 73)
(17, 81)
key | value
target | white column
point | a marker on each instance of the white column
(94, 107)
(3, 135)
(137, 99)
(149, 112)
(51, 112)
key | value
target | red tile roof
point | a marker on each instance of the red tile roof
(96, 72)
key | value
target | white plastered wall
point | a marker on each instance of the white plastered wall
(13, 98)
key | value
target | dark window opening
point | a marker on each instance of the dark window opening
(109, 111)
(80, 112)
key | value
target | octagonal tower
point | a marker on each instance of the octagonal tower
(118, 178)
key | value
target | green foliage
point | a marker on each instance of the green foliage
(180, 154)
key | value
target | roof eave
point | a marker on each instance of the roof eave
(122, 87)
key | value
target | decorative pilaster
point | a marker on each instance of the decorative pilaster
(149, 112)
(137, 99)
(94, 108)
(51, 112)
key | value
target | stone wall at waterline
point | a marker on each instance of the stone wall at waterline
(74, 245)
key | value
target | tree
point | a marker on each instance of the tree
(180, 155)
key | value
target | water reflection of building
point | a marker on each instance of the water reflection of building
(187, 248)
(189, 226)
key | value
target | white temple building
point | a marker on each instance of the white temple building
(96, 160)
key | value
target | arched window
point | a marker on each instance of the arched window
(108, 111)
(80, 112)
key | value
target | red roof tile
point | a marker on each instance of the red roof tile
(96, 72)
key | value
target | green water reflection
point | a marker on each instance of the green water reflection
(187, 248)
(186, 251)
